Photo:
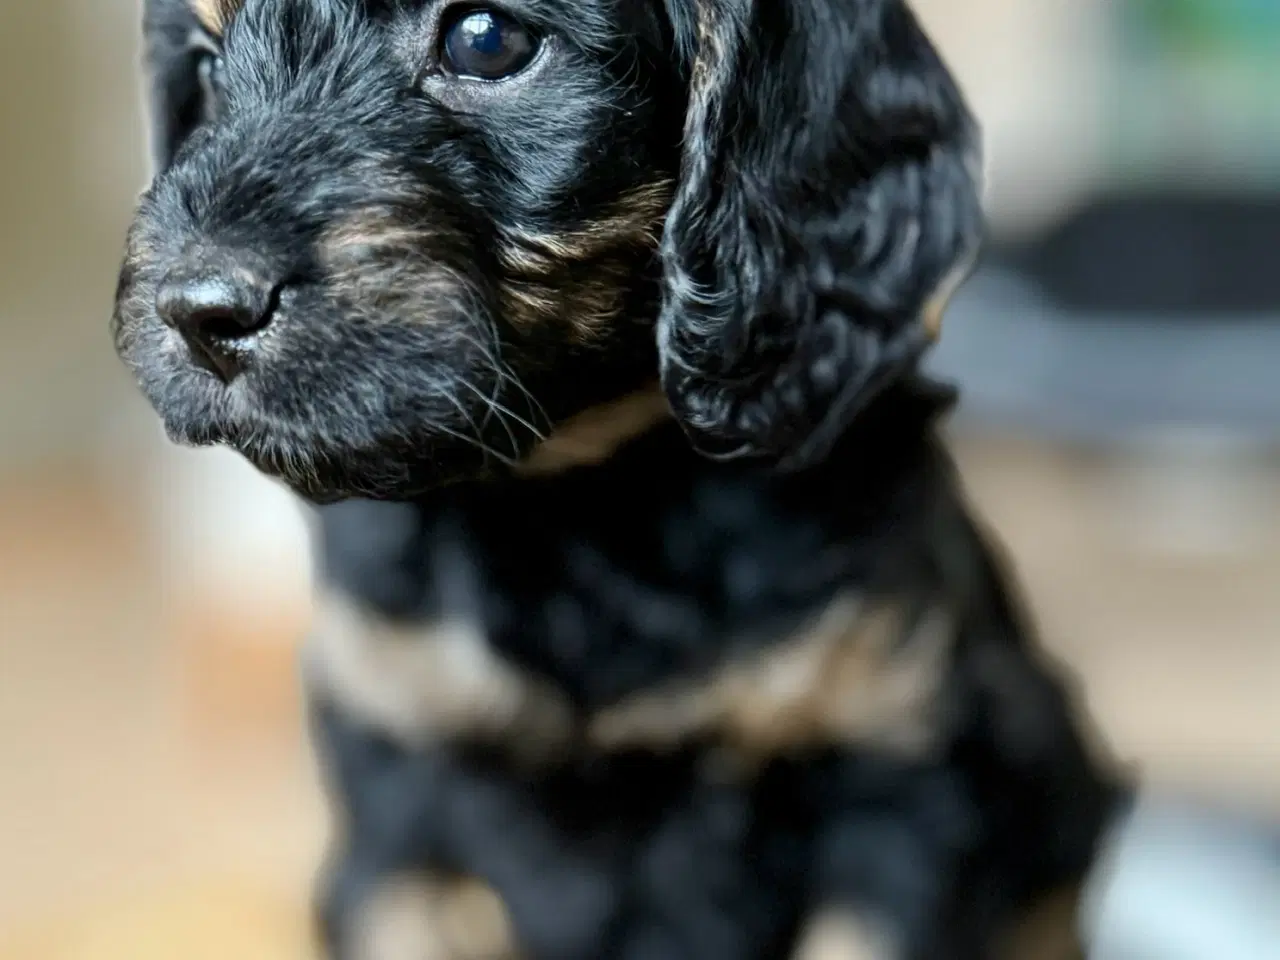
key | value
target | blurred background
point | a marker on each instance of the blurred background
(1119, 429)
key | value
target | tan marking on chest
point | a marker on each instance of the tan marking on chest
(855, 676)
(424, 683)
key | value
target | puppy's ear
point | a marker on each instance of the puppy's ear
(174, 94)
(830, 195)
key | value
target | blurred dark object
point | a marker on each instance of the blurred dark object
(1140, 312)
(1175, 253)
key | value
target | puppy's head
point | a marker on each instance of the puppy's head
(393, 244)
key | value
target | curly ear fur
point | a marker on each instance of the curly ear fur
(830, 189)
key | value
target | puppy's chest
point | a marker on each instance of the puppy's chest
(551, 625)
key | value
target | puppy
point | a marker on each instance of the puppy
(655, 623)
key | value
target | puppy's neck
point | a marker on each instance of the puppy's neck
(591, 437)
(901, 415)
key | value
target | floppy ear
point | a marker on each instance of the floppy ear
(830, 193)
(173, 84)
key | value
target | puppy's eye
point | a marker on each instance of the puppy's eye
(486, 44)
(209, 69)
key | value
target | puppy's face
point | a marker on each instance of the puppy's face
(394, 243)
(390, 243)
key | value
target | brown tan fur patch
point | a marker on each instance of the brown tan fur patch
(588, 304)
(215, 15)
(432, 918)
(423, 683)
(368, 230)
(592, 436)
(579, 275)
(855, 676)
(375, 261)
(1048, 930)
(844, 934)
(633, 219)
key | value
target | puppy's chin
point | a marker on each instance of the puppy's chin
(371, 474)
(351, 434)
(326, 468)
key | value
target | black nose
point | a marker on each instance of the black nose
(216, 313)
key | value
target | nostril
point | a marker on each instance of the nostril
(215, 314)
(214, 307)
(226, 323)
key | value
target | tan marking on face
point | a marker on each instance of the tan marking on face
(366, 231)
(578, 274)
(587, 306)
(215, 15)
(634, 219)
(855, 676)
(594, 435)
(838, 933)
(421, 683)
(1048, 930)
(432, 918)
(376, 264)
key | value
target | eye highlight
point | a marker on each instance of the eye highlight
(484, 43)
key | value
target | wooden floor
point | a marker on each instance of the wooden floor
(155, 795)
(156, 799)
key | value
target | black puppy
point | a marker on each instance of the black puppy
(655, 622)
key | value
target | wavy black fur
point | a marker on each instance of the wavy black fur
(612, 579)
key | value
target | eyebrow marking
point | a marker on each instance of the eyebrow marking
(214, 15)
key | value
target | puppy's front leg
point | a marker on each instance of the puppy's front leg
(413, 915)
(442, 854)
(391, 889)
(847, 932)
(885, 862)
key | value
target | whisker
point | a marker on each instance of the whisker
(462, 409)
(538, 409)
(504, 411)
(495, 409)
(507, 375)
(477, 443)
